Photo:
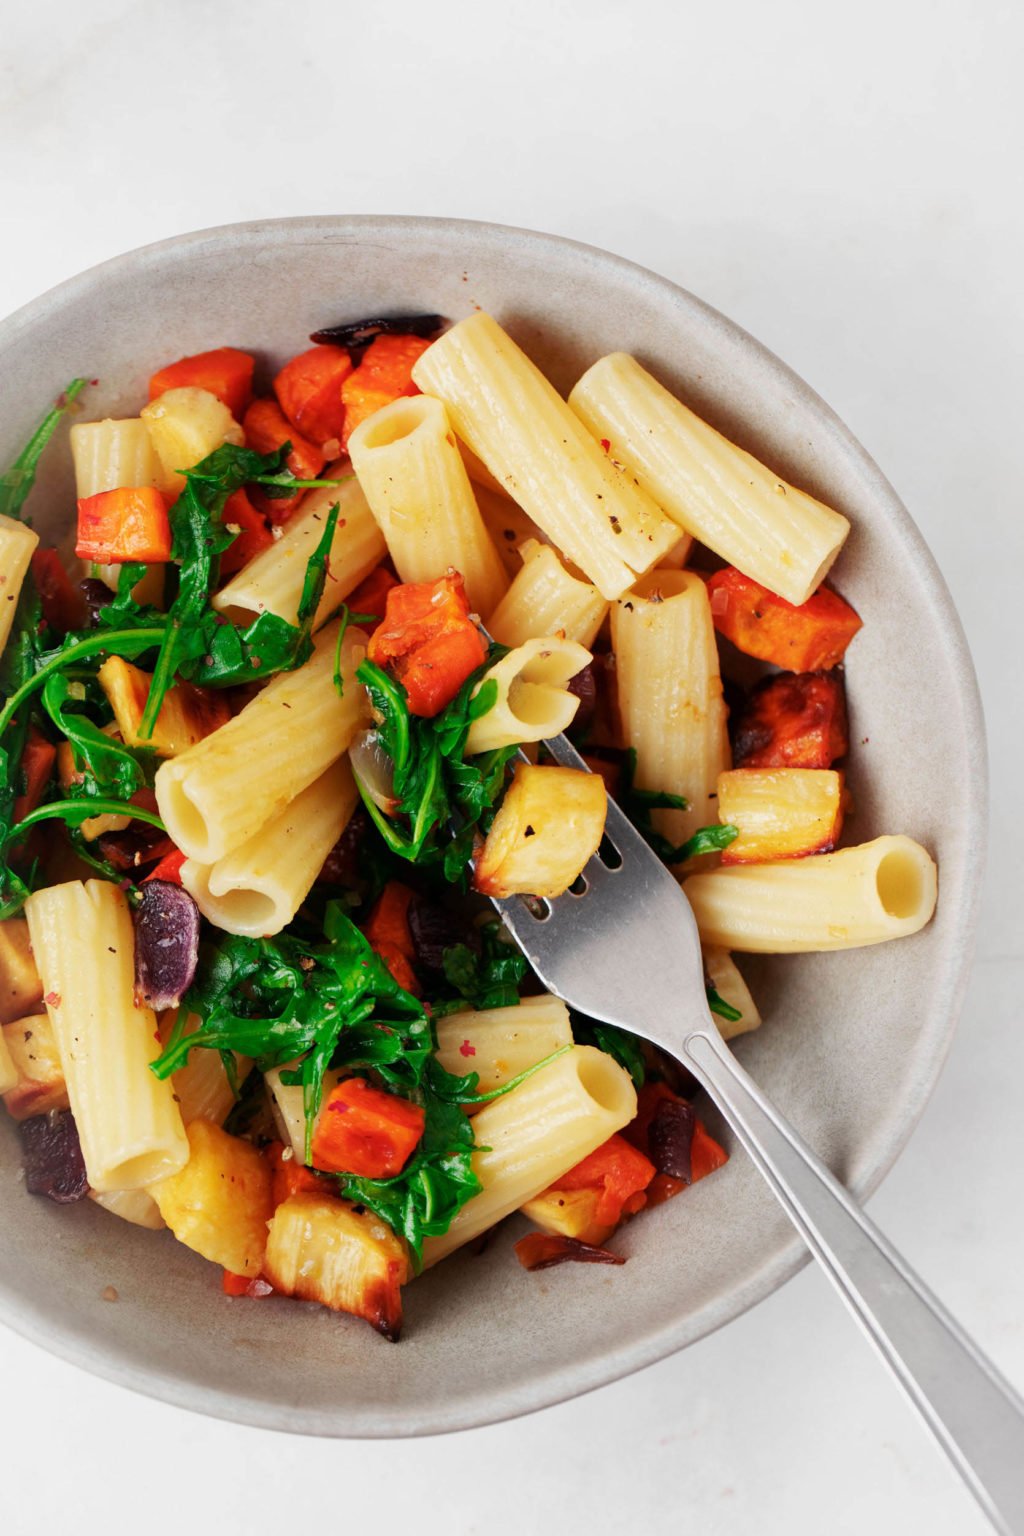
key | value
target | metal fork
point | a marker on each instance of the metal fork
(623, 947)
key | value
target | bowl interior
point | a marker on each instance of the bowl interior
(852, 1042)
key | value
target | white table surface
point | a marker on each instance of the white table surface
(846, 186)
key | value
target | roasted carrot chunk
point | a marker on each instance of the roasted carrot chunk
(127, 524)
(543, 1250)
(621, 1174)
(63, 605)
(793, 720)
(289, 1176)
(253, 539)
(169, 868)
(364, 1131)
(371, 596)
(37, 762)
(428, 641)
(225, 372)
(385, 374)
(663, 1123)
(808, 638)
(309, 389)
(267, 428)
(387, 929)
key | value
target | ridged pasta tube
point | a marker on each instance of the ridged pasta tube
(722, 495)
(17, 546)
(136, 1206)
(410, 468)
(219, 793)
(533, 702)
(257, 888)
(512, 418)
(499, 1043)
(527, 1140)
(128, 1122)
(544, 599)
(108, 454)
(880, 890)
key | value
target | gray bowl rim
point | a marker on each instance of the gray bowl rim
(546, 1390)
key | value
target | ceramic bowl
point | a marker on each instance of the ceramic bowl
(852, 1043)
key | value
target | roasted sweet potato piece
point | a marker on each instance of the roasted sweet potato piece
(808, 638)
(385, 374)
(387, 929)
(225, 372)
(793, 720)
(428, 641)
(309, 389)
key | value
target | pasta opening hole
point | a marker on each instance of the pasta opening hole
(247, 911)
(899, 881)
(136, 1172)
(605, 1081)
(191, 831)
(396, 422)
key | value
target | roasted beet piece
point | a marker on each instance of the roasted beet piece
(51, 1155)
(166, 944)
(542, 1250)
(136, 846)
(434, 929)
(793, 720)
(584, 686)
(97, 596)
(670, 1138)
(342, 864)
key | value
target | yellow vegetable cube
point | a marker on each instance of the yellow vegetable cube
(40, 1084)
(185, 425)
(186, 715)
(323, 1249)
(550, 823)
(220, 1202)
(569, 1213)
(21, 991)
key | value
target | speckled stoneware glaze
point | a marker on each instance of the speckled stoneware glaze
(852, 1043)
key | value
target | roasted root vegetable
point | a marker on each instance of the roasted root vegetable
(678, 1134)
(128, 524)
(186, 715)
(808, 638)
(253, 538)
(371, 597)
(220, 1202)
(543, 1250)
(51, 1156)
(780, 813)
(385, 374)
(225, 372)
(793, 720)
(37, 760)
(428, 641)
(364, 1131)
(169, 868)
(63, 604)
(21, 990)
(550, 823)
(267, 428)
(290, 1176)
(242, 1285)
(324, 1249)
(185, 425)
(591, 1199)
(309, 390)
(40, 1087)
(387, 929)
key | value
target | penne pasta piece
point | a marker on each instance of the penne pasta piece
(38, 1082)
(21, 988)
(128, 1123)
(544, 599)
(409, 466)
(508, 526)
(724, 975)
(678, 555)
(670, 696)
(512, 418)
(218, 794)
(722, 495)
(550, 823)
(533, 702)
(17, 546)
(185, 426)
(881, 890)
(272, 581)
(257, 888)
(480, 475)
(781, 813)
(499, 1043)
(133, 1205)
(534, 1134)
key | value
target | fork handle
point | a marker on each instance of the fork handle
(975, 1415)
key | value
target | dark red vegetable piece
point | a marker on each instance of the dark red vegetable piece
(434, 929)
(359, 333)
(51, 1156)
(584, 686)
(342, 864)
(166, 944)
(97, 596)
(670, 1138)
(136, 846)
(542, 1250)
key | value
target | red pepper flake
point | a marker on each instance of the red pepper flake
(606, 445)
(52, 999)
(465, 1049)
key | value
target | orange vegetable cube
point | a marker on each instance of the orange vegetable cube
(793, 720)
(428, 641)
(62, 602)
(266, 428)
(289, 1176)
(309, 389)
(387, 929)
(225, 372)
(37, 762)
(371, 596)
(253, 539)
(363, 1131)
(619, 1172)
(385, 374)
(810, 638)
(127, 524)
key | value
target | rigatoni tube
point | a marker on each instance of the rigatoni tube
(722, 495)
(411, 470)
(533, 701)
(670, 695)
(527, 1140)
(503, 407)
(128, 1122)
(218, 794)
(499, 1043)
(545, 599)
(17, 546)
(881, 890)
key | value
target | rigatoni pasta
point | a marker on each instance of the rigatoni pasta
(533, 701)
(500, 1043)
(17, 546)
(546, 599)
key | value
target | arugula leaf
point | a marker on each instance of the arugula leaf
(638, 805)
(718, 1005)
(110, 769)
(490, 979)
(623, 1047)
(17, 481)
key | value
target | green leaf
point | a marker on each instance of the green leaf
(718, 1005)
(623, 1047)
(111, 769)
(638, 805)
(18, 479)
(490, 979)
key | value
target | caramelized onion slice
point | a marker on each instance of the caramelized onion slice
(542, 1250)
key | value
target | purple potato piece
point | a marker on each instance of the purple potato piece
(51, 1156)
(97, 597)
(434, 929)
(670, 1139)
(166, 944)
